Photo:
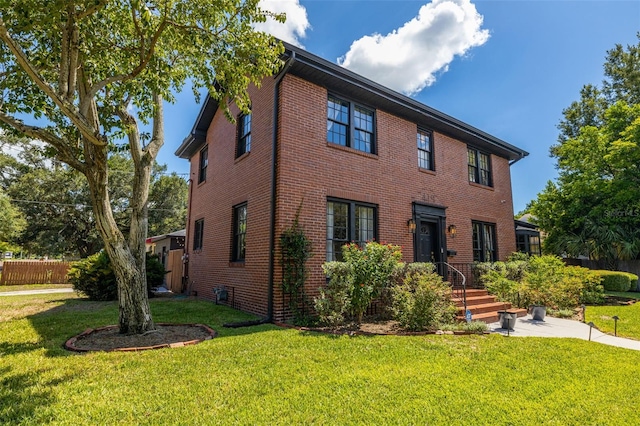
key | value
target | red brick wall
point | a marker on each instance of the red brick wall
(232, 181)
(312, 169)
(309, 171)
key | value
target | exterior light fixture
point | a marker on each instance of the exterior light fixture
(452, 230)
(591, 325)
(411, 224)
(615, 319)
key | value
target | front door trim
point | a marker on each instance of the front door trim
(436, 215)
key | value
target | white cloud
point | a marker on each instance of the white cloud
(294, 28)
(408, 59)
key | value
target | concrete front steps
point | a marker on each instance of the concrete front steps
(483, 306)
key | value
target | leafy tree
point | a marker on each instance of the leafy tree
(594, 206)
(95, 71)
(12, 222)
(168, 204)
(56, 202)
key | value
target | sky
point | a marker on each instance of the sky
(507, 67)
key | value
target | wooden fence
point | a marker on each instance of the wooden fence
(16, 272)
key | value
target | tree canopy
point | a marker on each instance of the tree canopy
(56, 203)
(593, 208)
(86, 74)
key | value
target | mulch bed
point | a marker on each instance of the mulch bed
(375, 328)
(109, 339)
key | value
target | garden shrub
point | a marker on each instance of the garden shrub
(617, 280)
(592, 288)
(543, 274)
(94, 277)
(372, 267)
(423, 301)
(333, 302)
(497, 283)
(543, 280)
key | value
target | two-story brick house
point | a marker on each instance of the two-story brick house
(364, 161)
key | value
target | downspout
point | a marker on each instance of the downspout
(274, 172)
(187, 234)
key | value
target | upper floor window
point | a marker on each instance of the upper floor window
(348, 221)
(198, 234)
(239, 233)
(244, 134)
(202, 164)
(425, 149)
(350, 125)
(484, 242)
(479, 167)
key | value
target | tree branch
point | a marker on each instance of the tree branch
(157, 135)
(65, 152)
(144, 60)
(91, 134)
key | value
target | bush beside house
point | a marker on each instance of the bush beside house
(413, 294)
(618, 280)
(94, 277)
(543, 280)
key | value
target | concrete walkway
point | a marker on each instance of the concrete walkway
(557, 327)
(40, 291)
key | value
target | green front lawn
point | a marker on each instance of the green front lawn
(629, 317)
(268, 375)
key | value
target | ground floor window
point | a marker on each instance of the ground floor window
(484, 242)
(348, 221)
(198, 234)
(239, 232)
(528, 243)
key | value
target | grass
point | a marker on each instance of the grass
(5, 288)
(268, 375)
(629, 317)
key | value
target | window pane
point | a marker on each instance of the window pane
(204, 162)
(362, 140)
(364, 224)
(477, 246)
(363, 119)
(337, 232)
(471, 154)
(485, 172)
(336, 133)
(239, 246)
(472, 174)
(198, 234)
(424, 149)
(338, 110)
(244, 134)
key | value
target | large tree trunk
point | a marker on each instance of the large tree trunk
(127, 259)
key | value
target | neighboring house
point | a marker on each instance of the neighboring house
(362, 161)
(170, 250)
(528, 238)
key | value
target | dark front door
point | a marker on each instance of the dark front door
(428, 247)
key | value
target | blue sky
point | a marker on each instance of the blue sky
(507, 67)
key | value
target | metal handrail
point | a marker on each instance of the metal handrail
(464, 283)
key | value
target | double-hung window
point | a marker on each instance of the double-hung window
(351, 125)
(244, 134)
(425, 149)
(479, 167)
(348, 221)
(198, 234)
(239, 233)
(202, 164)
(484, 242)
